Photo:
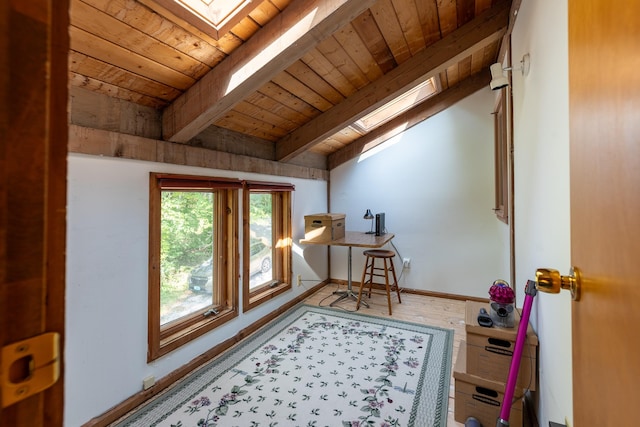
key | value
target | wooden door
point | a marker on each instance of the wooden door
(33, 147)
(604, 103)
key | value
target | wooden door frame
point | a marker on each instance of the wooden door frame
(33, 171)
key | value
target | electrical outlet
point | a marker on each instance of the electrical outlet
(406, 262)
(299, 280)
(148, 382)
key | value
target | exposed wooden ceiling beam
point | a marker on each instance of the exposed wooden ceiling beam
(483, 30)
(97, 142)
(275, 47)
(412, 117)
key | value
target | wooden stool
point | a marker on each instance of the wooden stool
(370, 271)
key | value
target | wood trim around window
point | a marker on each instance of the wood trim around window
(164, 339)
(281, 234)
(501, 153)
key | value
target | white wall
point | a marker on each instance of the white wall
(542, 217)
(107, 259)
(435, 182)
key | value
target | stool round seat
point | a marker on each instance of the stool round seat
(379, 253)
(371, 271)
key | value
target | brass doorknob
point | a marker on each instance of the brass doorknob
(550, 281)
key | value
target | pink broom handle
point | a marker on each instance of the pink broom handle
(505, 410)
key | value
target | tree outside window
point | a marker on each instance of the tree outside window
(186, 253)
(261, 247)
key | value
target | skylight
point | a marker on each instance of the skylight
(215, 17)
(397, 106)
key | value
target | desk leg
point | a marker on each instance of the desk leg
(349, 292)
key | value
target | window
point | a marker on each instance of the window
(214, 17)
(501, 149)
(192, 258)
(267, 241)
(397, 106)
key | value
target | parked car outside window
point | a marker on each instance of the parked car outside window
(201, 277)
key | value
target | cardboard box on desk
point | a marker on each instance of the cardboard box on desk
(481, 398)
(324, 227)
(490, 350)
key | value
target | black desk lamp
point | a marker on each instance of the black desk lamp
(369, 215)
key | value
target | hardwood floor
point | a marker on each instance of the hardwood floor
(442, 312)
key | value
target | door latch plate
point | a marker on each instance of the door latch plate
(41, 355)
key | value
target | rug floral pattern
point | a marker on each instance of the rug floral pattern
(321, 368)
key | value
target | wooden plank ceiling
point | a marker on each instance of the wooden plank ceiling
(295, 75)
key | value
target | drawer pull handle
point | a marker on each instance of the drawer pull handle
(499, 342)
(487, 391)
(485, 400)
(499, 350)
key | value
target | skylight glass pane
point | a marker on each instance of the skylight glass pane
(397, 106)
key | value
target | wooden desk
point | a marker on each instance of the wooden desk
(353, 239)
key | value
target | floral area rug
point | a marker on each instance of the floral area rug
(316, 366)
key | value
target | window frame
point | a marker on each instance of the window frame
(400, 104)
(281, 234)
(164, 339)
(501, 157)
(205, 16)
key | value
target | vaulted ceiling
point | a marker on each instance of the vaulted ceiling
(294, 76)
